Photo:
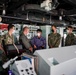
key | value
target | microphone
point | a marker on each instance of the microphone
(5, 65)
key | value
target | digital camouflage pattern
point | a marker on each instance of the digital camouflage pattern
(8, 39)
(3, 59)
(54, 40)
(70, 39)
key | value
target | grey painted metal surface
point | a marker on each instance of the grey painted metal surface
(50, 60)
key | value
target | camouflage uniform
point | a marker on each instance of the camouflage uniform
(70, 39)
(3, 57)
(8, 39)
(54, 40)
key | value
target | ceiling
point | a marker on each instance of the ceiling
(12, 5)
(68, 7)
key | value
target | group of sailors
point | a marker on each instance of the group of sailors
(37, 42)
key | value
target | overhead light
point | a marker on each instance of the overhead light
(27, 18)
(60, 18)
(4, 12)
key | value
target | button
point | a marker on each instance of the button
(21, 70)
(26, 69)
(31, 68)
(28, 73)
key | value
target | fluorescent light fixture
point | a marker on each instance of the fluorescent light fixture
(4, 12)
(60, 18)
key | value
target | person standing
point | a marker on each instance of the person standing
(25, 41)
(38, 42)
(54, 38)
(70, 38)
(9, 37)
(3, 57)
